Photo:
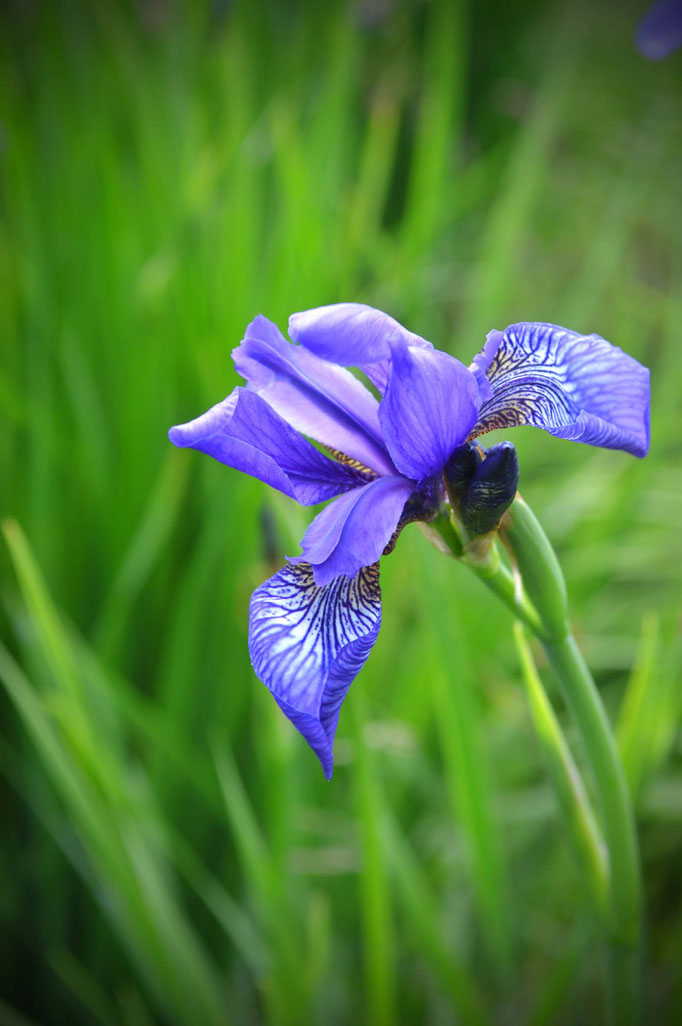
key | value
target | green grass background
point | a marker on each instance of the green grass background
(171, 853)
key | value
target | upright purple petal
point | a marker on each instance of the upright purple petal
(308, 643)
(353, 335)
(318, 398)
(430, 406)
(243, 432)
(574, 386)
(481, 362)
(353, 531)
(350, 333)
(659, 32)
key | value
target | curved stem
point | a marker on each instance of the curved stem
(537, 593)
(584, 703)
(498, 578)
(580, 822)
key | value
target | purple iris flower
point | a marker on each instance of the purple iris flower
(659, 32)
(313, 624)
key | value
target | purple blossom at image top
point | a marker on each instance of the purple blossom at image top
(659, 32)
(313, 624)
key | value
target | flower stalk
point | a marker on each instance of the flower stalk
(577, 813)
(535, 590)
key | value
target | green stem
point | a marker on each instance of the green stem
(579, 819)
(498, 578)
(544, 584)
(584, 703)
(536, 592)
(483, 557)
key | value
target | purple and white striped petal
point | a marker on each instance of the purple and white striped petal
(354, 530)
(318, 398)
(431, 405)
(574, 386)
(243, 432)
(353, 335)
(308, 643)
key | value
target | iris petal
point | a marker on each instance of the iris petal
(308, 643)
(353, 335)
(430, 406)
(354, 530)
(243, 432)
(318, 398)
(659, 32)
(574, 386)
(350, 333)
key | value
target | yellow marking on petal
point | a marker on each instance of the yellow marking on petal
(349, 461)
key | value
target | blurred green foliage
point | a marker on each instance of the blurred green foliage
(171, 852)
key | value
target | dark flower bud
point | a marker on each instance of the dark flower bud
(460, 469)
(491, 489)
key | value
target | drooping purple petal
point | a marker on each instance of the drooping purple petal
(308, 643)
(243, 432)
(353, 335)
(430, 406)
(354, 530)
(318, 398)
(659, 32)
(574, 386)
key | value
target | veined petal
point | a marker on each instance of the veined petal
(353, 335)
(430, 406)
(243, 432)
(318, 398)
(574, 386)
(353, 531)
(308, 643)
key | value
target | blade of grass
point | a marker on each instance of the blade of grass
(381, 985)
(424, 915)
(104, 804)
(638, 709)
(467, 774)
